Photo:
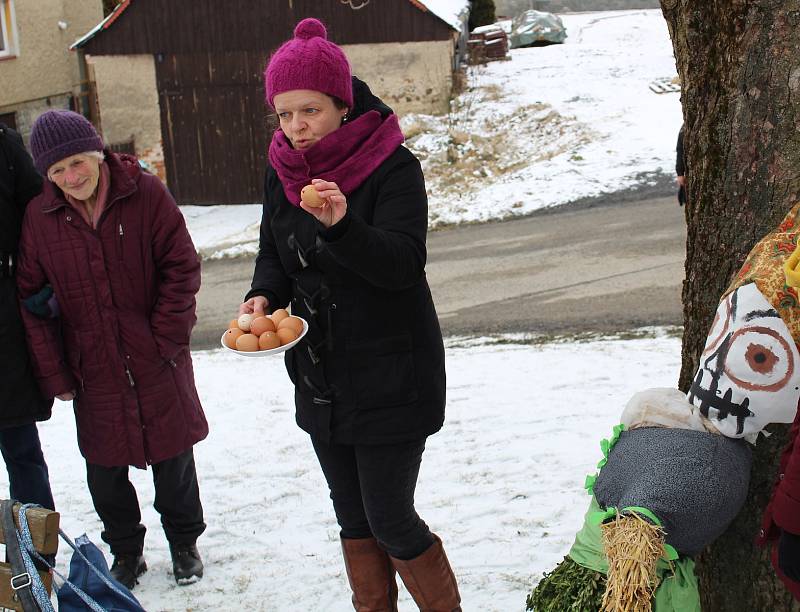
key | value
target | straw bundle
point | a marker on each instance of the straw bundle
(633, 547)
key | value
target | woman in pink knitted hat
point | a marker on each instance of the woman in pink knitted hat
(369, 375)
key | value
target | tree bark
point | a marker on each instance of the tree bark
(739, 65)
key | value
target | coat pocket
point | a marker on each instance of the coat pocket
(73, 358)
(382, 372)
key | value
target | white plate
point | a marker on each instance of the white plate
(267, 352)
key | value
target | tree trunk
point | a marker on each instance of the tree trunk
(739, 65)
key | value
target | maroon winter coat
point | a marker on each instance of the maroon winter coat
(126, 292)
(783, 511)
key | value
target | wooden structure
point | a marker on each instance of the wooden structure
(209, 59)
(43, 525)
(487, 45)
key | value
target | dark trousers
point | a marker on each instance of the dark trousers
(177, 500)
(372, 489)
(28, 479)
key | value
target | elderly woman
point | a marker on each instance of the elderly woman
(369, 374)
(113, 246)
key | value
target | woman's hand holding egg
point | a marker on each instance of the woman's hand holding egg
(256, 306)
(334, 202)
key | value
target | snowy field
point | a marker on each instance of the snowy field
(502, 483)
(552, 125)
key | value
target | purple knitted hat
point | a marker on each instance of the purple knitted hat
(57, 134)
(309, 61)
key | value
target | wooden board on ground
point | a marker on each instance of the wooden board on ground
(43, 525)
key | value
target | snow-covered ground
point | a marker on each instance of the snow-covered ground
(502, 483)
(552, 125)
(555, 123)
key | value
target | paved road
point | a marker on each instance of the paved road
(603, 268)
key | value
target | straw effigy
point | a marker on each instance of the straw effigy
(633, 547)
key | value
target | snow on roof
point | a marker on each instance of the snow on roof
(449, 11)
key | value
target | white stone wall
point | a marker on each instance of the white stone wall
(43, 66)
(128, 101)
(414, 77)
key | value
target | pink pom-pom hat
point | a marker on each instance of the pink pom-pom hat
(309, 61)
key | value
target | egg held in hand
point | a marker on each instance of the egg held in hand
(310, 197)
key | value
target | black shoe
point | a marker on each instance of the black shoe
(186, 563)
(127, 568)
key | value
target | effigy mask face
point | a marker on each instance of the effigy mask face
(748, 375)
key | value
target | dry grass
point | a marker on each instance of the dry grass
(484, 138)
(633, 547)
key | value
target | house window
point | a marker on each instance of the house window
(8, 30)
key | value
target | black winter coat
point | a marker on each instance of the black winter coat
(371, 368)
(21, 402)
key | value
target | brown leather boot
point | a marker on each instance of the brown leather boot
(371, 575)
(430, 580)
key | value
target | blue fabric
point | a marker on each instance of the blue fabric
(107, 592)
(43, 304)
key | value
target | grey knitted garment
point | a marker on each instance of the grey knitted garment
(694, 482)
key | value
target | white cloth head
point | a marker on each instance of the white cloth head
(748, 375)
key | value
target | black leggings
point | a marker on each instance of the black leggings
(177, 500)
(372, 488)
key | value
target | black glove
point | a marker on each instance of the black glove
(43, 304)
(789, 555)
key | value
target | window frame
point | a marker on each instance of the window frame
(8, 30)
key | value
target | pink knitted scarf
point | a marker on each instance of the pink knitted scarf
(346, 156)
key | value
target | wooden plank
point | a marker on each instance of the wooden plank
(43, 525)
(215, 130)
(7, 593)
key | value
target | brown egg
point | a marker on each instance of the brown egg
(268, 340)
(230, 337)
(234, 324)
(310, 196)
(294, 323)
(247, 342)
(260, 325)
(279, 315)
(287, 335)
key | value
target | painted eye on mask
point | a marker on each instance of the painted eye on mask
(759, 359)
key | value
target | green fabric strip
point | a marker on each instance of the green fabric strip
(644, 512)
(601, 516)
(588, 484)
(605, 445)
